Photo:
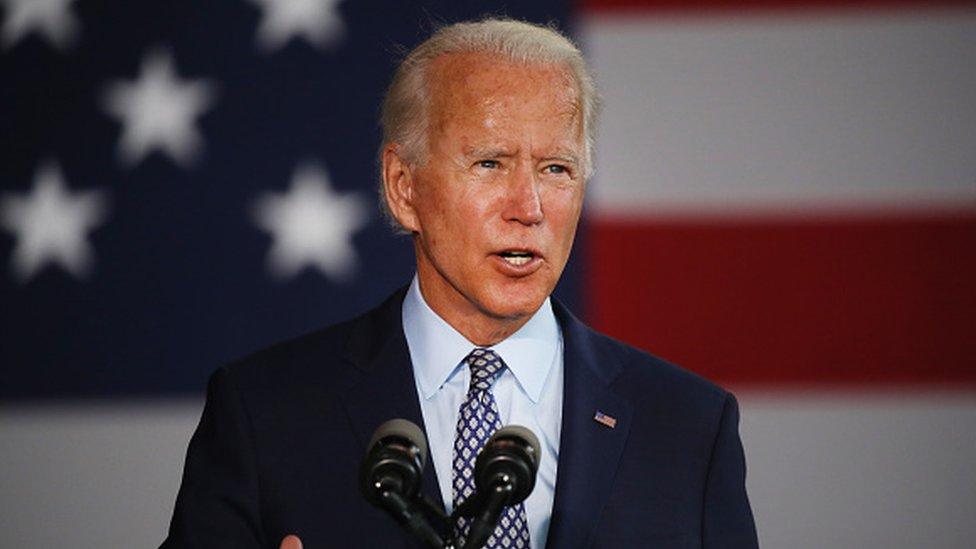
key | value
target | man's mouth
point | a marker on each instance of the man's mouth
(516, 258)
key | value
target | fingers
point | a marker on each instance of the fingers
(291, 542)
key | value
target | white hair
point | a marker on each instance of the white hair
(404, 117)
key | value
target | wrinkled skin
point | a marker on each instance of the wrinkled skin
(503, 173)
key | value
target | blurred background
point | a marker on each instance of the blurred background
(784, 202)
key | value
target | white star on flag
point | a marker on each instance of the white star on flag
(158, 111)
(51, 18)
(51, 225)
(311, 225)
(317, 21)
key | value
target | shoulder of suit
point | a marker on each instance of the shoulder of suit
(309, 358)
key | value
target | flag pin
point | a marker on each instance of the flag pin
(604, 419)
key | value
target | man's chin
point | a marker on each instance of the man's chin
(513, 306)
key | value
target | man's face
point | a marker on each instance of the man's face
(496, 200)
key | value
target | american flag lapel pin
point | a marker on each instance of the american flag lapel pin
(604, 419)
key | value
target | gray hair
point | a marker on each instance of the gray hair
(404, 115)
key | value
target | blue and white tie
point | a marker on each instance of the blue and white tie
(478, 420)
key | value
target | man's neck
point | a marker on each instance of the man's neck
(477, 326)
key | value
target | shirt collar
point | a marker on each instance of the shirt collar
(437, 349)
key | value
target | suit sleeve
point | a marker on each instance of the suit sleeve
(728, 520)
(217, 505)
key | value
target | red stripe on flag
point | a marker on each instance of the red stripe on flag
(794, 302)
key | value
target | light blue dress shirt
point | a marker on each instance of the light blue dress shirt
(528, 393)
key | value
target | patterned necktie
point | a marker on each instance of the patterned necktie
(478, 420)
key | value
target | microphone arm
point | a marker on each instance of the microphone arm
(406, 513)
(485, 521)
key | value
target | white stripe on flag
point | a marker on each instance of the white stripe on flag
(861, 469)
(91, 474)
(784, 113)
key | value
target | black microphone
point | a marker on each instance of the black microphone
(391, 473)
(504, 475)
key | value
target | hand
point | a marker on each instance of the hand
(291, 542)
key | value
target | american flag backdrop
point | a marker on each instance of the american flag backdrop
(784, 202)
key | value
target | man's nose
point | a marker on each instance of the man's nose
(524, 202)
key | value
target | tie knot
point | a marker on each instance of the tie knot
(485, 368)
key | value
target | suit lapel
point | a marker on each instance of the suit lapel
(589, 451)
(381, 386)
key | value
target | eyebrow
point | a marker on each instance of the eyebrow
(567, 157)
(500, 152)
(488, 152)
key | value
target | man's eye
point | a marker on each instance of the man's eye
(555, 169)
(488, 164)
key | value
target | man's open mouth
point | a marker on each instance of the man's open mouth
(516, 258)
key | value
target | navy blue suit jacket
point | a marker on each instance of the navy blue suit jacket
(283, 431)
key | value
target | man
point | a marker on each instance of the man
(487, 148)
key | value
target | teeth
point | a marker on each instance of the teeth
(517, 260)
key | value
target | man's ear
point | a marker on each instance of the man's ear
(399, 187)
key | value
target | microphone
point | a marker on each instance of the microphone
(390, 476)
(504, 475)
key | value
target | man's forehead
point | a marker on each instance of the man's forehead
(490, 89)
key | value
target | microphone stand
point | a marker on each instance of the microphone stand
(484, 522)
(410, 517)
(443, 524)
(485, 508)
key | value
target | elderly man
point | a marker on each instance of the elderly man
(487, 148)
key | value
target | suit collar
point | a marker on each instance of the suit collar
(381, 386)
(589, 451)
